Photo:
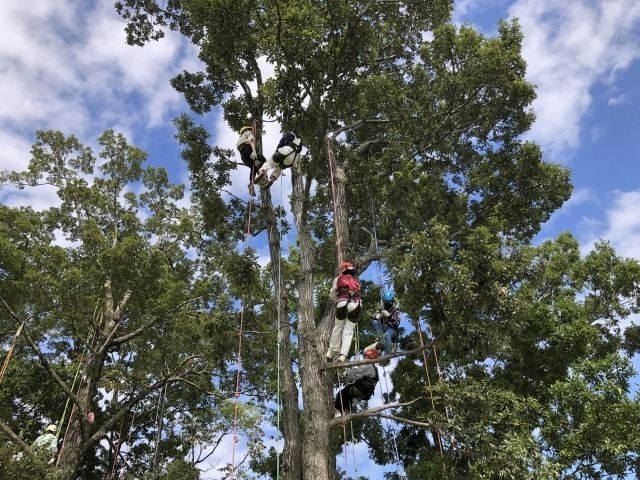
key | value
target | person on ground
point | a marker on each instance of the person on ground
(360, 383)
(246, 145)
(345, 291)
(287, 151)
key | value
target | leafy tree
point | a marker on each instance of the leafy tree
(418, 137)
(119, 317)
(414, 159)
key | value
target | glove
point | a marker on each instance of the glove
(384, 313)
(253, 155)
(377, 316)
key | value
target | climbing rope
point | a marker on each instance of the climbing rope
(388, 426)
(125, 456)
(88, 345)
(344, 426)
(428, 379)
(236, 393)
(162, 396)
(440, 377)
(278, 343)
(5, 364)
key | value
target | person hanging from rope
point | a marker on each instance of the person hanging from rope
(286, 153)
(345, 291)
(48, 443)
(386, 323)
(360, 383)
(246, 145)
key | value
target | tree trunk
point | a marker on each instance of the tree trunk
(76, 436)
(291, 468)
(316, 451)
(340, 223)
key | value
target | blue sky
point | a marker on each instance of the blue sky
(65, 65)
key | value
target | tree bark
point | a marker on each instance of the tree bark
(338, 180)
(291, 468)
(317, 460)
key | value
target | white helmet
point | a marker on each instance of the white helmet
(51, 428)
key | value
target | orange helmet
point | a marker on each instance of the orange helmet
(346, 265)
(371, 353)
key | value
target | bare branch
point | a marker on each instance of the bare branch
(171, 377)
(12, 435)
(356, 363)
(43, 360)
(373, 412)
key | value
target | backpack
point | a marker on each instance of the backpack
(287, 140)
(347, 284)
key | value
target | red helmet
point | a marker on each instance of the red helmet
(346, 265)
(371, 353)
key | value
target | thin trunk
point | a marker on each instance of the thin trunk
(338, 181)
(291, 468)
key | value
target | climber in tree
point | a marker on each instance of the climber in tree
(386, 322)
(360, 384)
(345, 291)
(246, 145)
(286, 153)
(47, 443)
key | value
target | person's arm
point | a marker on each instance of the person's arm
(394, 318)
(252, 143)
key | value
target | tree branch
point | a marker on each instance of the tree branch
(330, 366)
(12, 435)
(102, 431)
(373, 412)
(43, 360)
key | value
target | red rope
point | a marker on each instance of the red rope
(236, 393)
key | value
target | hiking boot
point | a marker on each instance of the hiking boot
(252, 191)
(342, 358)
(261, 179)
(385, 362)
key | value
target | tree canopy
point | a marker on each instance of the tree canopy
(414, 162)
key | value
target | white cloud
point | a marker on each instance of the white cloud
(616, 100)
(38, 198)
(579, 197)
(622, 225)
(570, 47)
(66, 66)
(15, 151)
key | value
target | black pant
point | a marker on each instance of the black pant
(254, 165)
(353, 391)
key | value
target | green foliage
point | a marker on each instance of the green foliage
(125, 302)
(18, 465)
(535, 354)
